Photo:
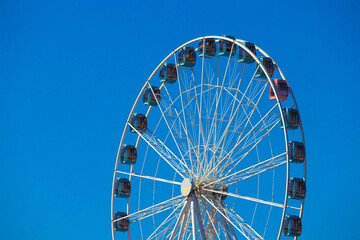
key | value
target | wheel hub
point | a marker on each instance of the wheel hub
(189, 187)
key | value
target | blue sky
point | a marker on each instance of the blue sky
(70, 71)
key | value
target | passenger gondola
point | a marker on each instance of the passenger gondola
(296, 152)
(151, 96)
(168, 73)
(269, 66)
(187, 57)
(244, 56)
(292, 226)
(225, 47)
(122, 188)
(210, 47)
(128, 154)
(291, 118)
(121, 225)
(281, 88)
(297, 188)
(138, 123)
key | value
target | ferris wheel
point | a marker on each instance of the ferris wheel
(213, 148)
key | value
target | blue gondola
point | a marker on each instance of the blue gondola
(123, 224)
(292, 226)
(138, 123)
(291, 118)
(297, 188)
(296, 152)
(210, 47)
(168, 73)
(244, 56)
(269, 66)
(122, 188)
(282, 89)
(225, 47)
(128, 154)
(187, 57)
(151, 96)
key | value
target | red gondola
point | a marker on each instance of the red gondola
(281, 88)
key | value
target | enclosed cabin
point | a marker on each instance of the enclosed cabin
(244, 56)
(121, 225)
(296, 152)
(291, 118)
(122, 188)
(292, 226)
(282, 89)
(297, 188)
(210, 47)
(138, 123)
(128, 154)
(269, 66)
(226, 47)
(168, 73)
(151, 96)
(187, 57)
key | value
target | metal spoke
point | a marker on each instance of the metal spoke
(218, 95)
(163, 151)
(273, 123)
(221, 140)
(245, 198)
(189, 143)
(247, 122)
(149, 177)
(246, 229)
(170, 127)
(155, 209)
(166, 219)
(182, 214)
(252, 170)
(240, 225)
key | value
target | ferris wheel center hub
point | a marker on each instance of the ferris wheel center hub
(186, 187)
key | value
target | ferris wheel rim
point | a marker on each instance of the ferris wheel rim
(300, 126)
(161, 64)
(173, 53)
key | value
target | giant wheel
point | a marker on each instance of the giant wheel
(213, 148)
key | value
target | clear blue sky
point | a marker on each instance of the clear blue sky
(70, 71)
